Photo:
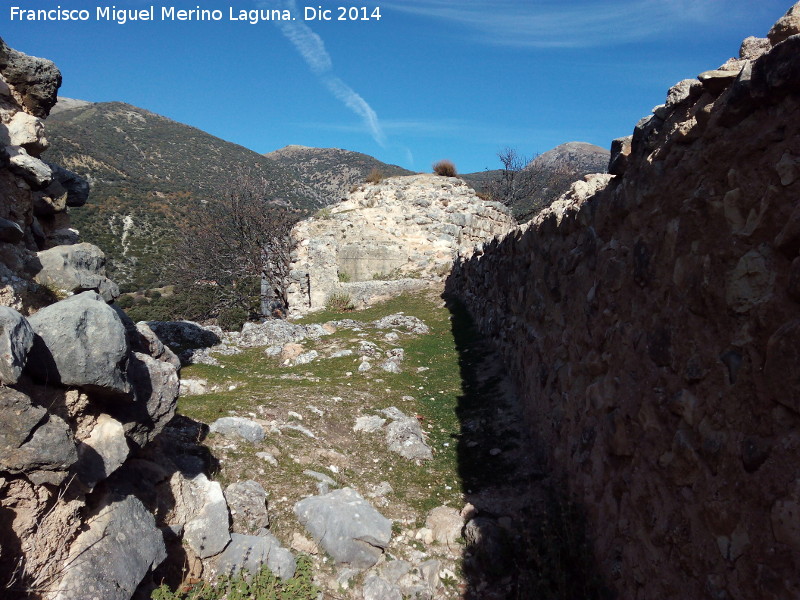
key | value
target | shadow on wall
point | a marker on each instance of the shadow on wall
(524, 538)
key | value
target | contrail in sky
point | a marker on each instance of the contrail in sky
(312, 49)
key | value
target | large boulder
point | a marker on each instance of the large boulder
(246, 429)
(346, 526)
(76, 268)
(80, 342)
(76, 186)
(206, 531)
(33, 441)
(103, 452)
(35, 81)
(120, 544)
(16, 340)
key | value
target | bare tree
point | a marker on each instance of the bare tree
(235, 250)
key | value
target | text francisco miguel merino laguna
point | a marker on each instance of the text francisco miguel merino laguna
(170, 13)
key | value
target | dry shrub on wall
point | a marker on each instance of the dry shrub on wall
(445, 168)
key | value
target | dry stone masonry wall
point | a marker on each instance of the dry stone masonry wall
(650, 318)
(388, 237)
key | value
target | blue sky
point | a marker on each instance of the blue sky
(431, 79)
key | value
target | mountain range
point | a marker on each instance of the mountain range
(149, 172)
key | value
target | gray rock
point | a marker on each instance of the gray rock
(368, 349)
(180, 335)
(10, 232)
(194, 387)
(391, 366)
(207, 533)
(155, 386)
(149, 343)
(364, 366)
(342, 353)
(77, 187)
(238, 426)
(405, 437)
(31, 169)
(80, 341)
(76, 268)
(247, 502)
(377, 588)
(306, 357)
(36, 80)
(32, 441)
(249, 552)
(325, 482)
(445, 524)
(394, 570)
(717, 80)
(346, 526)
(103, 452)
(16, 340)
(369, 424)
(401, 321)
(120, 544)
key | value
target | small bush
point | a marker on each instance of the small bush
(323, 214)
(339, 302)
(344, 277)
(375, 176)
(232, 319)
(445, 168)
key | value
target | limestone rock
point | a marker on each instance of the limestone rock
(377, 588)
(247, 502)
(76, 268)
(788, 25)
(32, 441)
(112, 556)
(207, 532)
(80, 341)
(34, 81)
(369, 424)
(250, 552)
(76, 186)
(246, 429)
(346, 526)
(27, 131)
(16, 340)
(405, 436)
(180, 335)
(754, 47)
(149, 343)
(103, 452)
(400, 321)
(155, 386)
(445, 523)
(33, 170)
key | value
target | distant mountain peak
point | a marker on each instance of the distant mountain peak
(64, 104)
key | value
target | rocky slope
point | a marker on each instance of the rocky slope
(546, 177)
(649, 318)
(330, 173)
(387, 237)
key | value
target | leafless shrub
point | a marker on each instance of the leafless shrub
(445, 168)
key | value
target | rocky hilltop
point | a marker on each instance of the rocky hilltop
(649, 318)
(388, 237)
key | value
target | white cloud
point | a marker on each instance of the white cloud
(549, 24)
(312, 48)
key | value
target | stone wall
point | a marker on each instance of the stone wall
(651, 322)
(388, 237)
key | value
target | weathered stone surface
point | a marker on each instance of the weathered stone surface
(445, 523)
(34, 81)
(246, 429)
(207, 531)
(76, 268)
(31, 169)
(377, 588)
(785, 27)
(754, 47)
(152, 345)
(249, 552)
(650, 328)
(180, 335)
(620, 150)
(408, 323)
(155, 386)
(32, 441)
(109, 560)
(369, 424)
(247, 502)
(27, 131)
(77, 187)
(404, 435)
(399, 234)
(80, 341)
(16, 340)
(346, 526)
(103, 452)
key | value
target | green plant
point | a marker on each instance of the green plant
(445, 168)
(264, 585)
(339, 302)
(375, 176)
(323, 214)
(344, 277)
(232, 318)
